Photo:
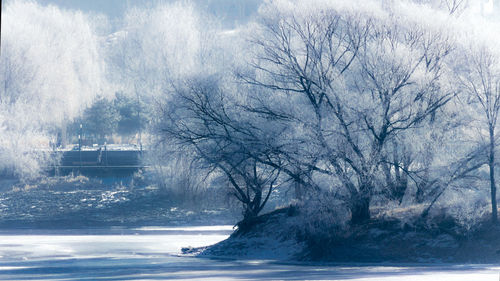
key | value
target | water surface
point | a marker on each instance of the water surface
(153, 253)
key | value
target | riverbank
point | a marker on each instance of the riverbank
(79, 202)
(281, 235)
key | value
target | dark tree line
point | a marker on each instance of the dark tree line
(124, 115)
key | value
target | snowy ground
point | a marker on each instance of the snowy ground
(154, 254)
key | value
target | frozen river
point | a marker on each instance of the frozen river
(153, 254)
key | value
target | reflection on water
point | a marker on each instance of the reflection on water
(153, 254)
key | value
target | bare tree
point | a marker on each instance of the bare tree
(455, 7)
(202, 119)
(363, 80)
(480, 78)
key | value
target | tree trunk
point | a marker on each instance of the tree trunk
(250, 215)
(252, 208)
(360, 209)
(299, 191)
(491, 164)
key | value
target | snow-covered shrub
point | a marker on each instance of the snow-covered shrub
(468, 208)
(182, 178)
(20, 153)
(321, 218)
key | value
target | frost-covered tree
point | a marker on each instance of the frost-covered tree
(51, 67)
(453, 7)
(204, 118)
(358, 79)
(155, 45)
(480, 80)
